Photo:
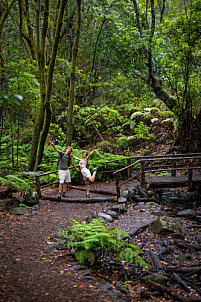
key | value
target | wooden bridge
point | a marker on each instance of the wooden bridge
(162, 171)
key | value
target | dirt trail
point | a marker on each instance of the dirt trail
(29, 271)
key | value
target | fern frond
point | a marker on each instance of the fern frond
(141, 261)
(81, 256)
(169, 119)
(84, 255)
(153, 120)
(152, 109)
(88, 238)
(138, 113)
(15, 183)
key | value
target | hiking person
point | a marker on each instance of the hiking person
(64, 163)
(83, 164)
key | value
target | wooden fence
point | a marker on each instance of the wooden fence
(146, 165)
(173, 164)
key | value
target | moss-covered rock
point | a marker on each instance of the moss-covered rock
(165, 225)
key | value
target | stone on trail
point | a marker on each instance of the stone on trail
(155, 277)
(20, 211)
(187, 213)
(106, 217)
(165, 225)
(122, 200)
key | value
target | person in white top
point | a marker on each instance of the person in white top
(83, 164)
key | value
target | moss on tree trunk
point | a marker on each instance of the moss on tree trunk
(69, 132)
(47, 105)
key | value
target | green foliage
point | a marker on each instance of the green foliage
(143, 131)
(105, 119)
(122, 140)
(23, 80)
(88, 239)
(165, 174)
(111, 51)
(7, 145)
(24, 206)
(104, 144)
(16, 183)
(9, 99)
(56, 133)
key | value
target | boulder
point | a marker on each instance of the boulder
(165, 225)
(105, 217)
(118, 208)
(125, 194)
(122, 200)
(20, 211)
(114, 214)
(155, 277)
(186, 213)
(31, 199)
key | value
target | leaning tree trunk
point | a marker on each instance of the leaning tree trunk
(69, 132)
(189, 130)
(48, 109)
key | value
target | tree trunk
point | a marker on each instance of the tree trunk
(69, 132)
(189, 130)
(48, 109)
(3, 17)
(41, 64)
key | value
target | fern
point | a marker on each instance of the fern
(137, 113)
(153, 120)
(88, 239)
(15, 183)
(169, 119)
(152, 109)
(141, 261)
(84, 255)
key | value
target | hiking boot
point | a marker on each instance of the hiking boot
(88, 196)
(96, 169)
(60, 195)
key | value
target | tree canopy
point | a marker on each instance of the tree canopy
(66, 65)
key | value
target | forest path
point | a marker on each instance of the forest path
(29, 271)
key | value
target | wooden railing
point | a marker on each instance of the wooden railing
(39, 186)
(143, 166)
(189, 162)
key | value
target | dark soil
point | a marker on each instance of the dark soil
(31, 271)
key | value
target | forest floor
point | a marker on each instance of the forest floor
(31, 271)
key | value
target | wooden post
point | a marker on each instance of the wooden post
(117, 185)
(129, 168)
(142, 173)
(190, 175)
(38, 186)
(173, 164)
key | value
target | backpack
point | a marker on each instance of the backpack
(60, 156)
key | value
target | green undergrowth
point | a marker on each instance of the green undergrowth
(106, 162)
(89, 240)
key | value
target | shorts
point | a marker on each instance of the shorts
(64, 176)
(85, 173)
